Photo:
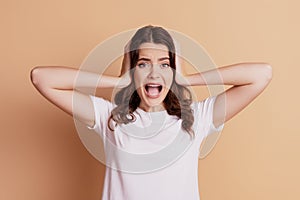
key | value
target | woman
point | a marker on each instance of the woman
(153, 95)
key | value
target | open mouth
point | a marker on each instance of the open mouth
(153, 90)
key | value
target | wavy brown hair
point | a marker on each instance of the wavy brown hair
(177, 101)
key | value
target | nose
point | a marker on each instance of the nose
(154, 71)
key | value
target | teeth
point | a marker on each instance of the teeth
(153, 85)
(147, 86)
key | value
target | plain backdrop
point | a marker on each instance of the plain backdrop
(41, 155)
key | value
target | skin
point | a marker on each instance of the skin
(153, 66)
(248, 80)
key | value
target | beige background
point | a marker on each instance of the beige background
(41, 155)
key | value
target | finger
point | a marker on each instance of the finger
(178, 59)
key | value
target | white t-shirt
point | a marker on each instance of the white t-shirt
(152, 158)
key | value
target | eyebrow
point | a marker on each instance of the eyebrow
(148, 59)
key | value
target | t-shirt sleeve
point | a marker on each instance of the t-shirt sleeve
(102, 111)
(204, 116)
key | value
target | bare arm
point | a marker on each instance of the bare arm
(57, 84)
(248, 80)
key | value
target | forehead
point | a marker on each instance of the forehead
(153, 50)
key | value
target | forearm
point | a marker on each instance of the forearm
(236, 74)
(66, 78)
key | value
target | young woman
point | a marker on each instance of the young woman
(151, 107)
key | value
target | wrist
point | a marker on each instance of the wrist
(123, 81)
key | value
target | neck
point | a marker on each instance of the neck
(152, 108)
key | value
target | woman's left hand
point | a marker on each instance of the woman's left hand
(178, 60)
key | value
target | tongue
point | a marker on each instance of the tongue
(153, 91)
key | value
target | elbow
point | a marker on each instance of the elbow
(264, 74)
(261, 73)
(35, 76)
(267, 72)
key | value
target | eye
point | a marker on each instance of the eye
(143, 64)
(165, 65)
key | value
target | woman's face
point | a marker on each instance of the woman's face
(153, 76)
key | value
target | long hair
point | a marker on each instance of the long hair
(177, 101)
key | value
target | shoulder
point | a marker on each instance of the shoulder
(102, 104)
(203, 110)
(102, 110)
(204, 105)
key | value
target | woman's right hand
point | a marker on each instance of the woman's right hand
(125, 78)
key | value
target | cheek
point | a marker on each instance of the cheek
(169, 79)
(141, 74)
(138, 79)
